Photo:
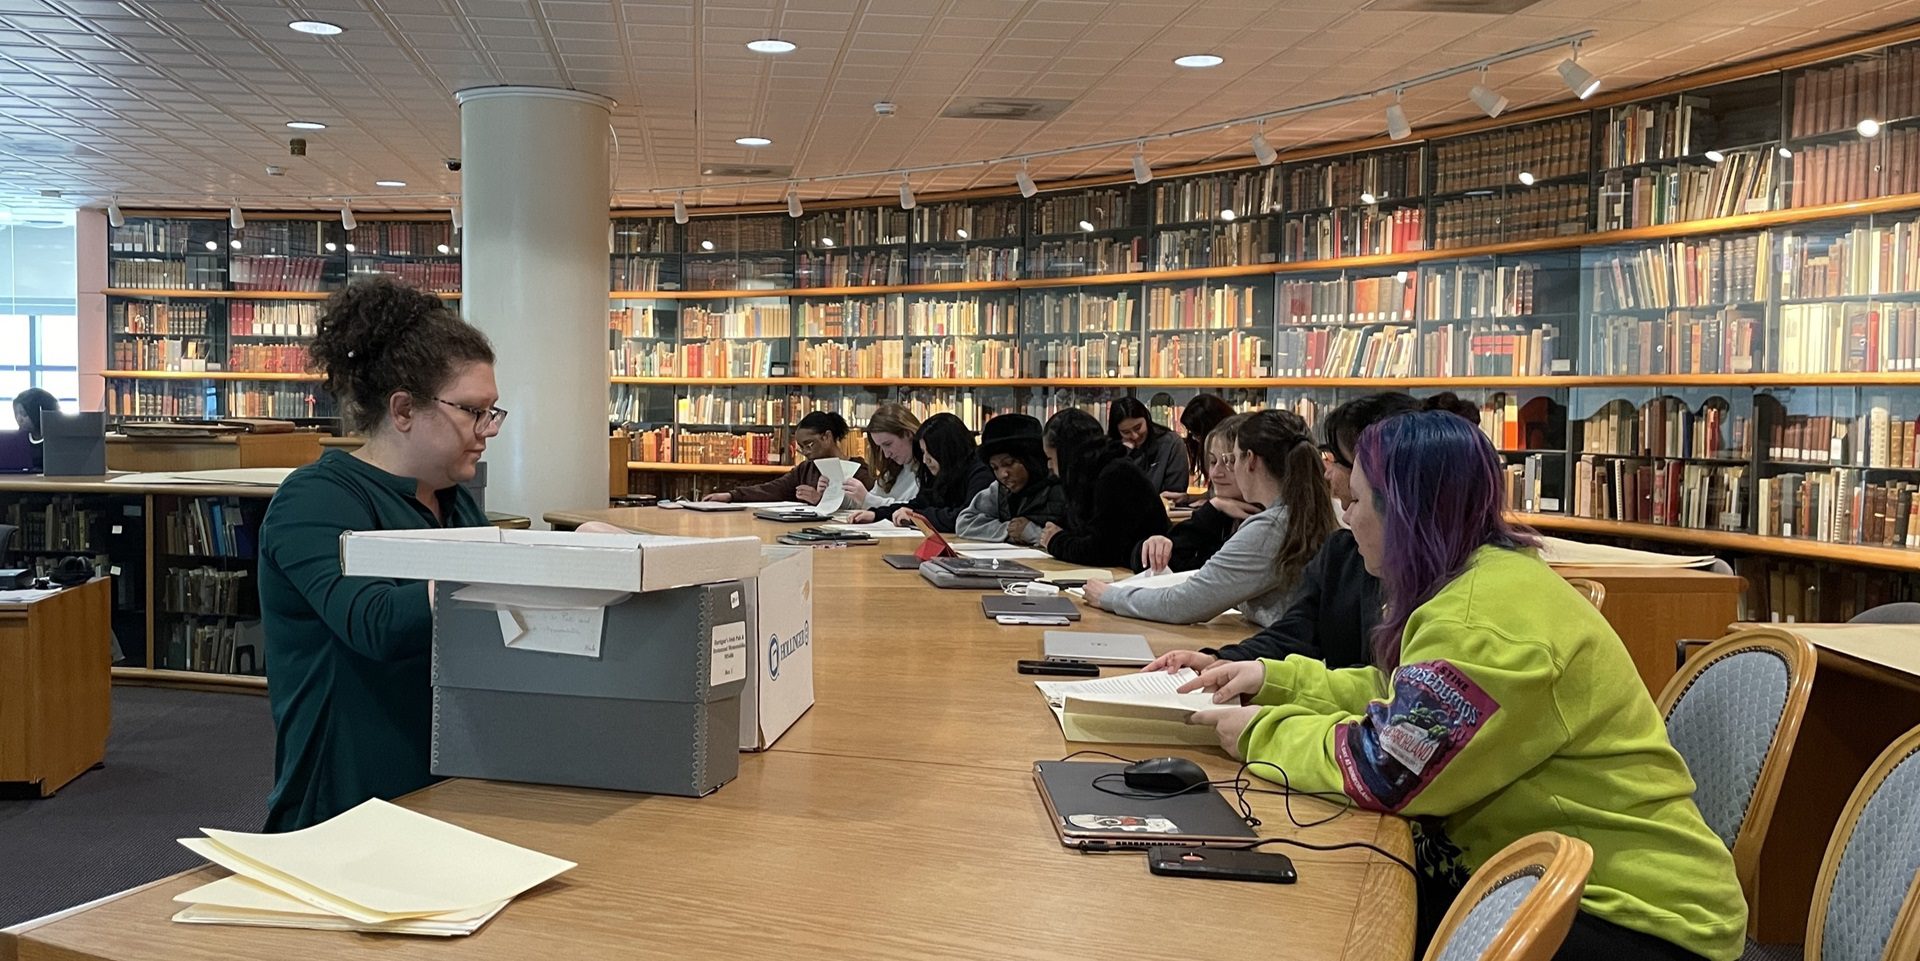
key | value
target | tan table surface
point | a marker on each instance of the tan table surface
(898, 818)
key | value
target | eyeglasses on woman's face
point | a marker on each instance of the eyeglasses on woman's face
(486, 420)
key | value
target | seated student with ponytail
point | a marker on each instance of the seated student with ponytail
(1187, 545)
(1258, 569)
(1025, 498)
(1111, 506)
(896, 471)
(1501, 704)
(1339, 602)
(955, 476)
(817, 435)
(1157, 451)
(347, 657)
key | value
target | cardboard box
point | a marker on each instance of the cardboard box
(656, 710)
(490, 555)
(781, 659)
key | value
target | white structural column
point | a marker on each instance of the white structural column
(534, 186)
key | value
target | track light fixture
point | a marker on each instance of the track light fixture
(793, 204)
(906, 193)
(1490, 103)
(235, 218)
(1024, 180)
(1141, 172)
(459, 216)
(114, 217)
(346, 216)
(680, 207)
(1262, 150)
(1578, 79)
(1397, 126)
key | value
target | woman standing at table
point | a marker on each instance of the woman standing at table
(817, 435)
(1160, 454)
(1502, 704)
(346, 656)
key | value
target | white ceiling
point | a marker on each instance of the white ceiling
(185, 101)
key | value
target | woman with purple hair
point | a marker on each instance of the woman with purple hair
(1499, 703)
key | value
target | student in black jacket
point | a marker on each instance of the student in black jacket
(1160, 453)
(1339, 601)
(1111, 506)
(955, 471)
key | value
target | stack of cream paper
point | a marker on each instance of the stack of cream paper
(1138, 708)
(377, 868)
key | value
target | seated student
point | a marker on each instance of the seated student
(1187, 545)
(1026, 498)
(943, 440)
(890, 455)
(1258, 569)
(1502, 704)
(1159, 453)
(1339, 603)
(347, 657)
(1110, 504)
(817, 435)
(1200, 417)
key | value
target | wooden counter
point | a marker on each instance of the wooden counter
(290, 449)
(55, 694)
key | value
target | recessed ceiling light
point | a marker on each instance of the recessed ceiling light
(389, 183)
(306, 125)
(752, 141)
(1198, 60)
(319, 28)
(770, 46)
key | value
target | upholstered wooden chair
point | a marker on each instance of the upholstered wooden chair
(1866, 903)
(1519, 905)
(1733, 712)
(1594, 591)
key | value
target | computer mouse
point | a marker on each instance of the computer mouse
(1164, 775)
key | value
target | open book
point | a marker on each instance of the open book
(1138, 708)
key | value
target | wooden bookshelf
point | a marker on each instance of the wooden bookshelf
(1891, 558)
(231, 294)
(207, 375)
(1884, 378)
(666, 468)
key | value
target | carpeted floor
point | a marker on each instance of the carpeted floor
(177, 761)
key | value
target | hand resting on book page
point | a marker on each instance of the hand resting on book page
(1182, 660)
(1229, 681)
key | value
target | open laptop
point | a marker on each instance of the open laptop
(16, 452)
(1090, 819)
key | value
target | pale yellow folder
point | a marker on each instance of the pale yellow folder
(239, 900)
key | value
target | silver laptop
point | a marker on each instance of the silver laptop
(1122, 650)
(1000, 605)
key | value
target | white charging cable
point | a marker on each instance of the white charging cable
(1030, 589)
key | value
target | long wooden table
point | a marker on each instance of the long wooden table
(898, 818)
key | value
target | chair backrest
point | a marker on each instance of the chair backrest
(1520, 903)
(1594, 591)
(1898, 612)
(1733, 712)
(1866, 903)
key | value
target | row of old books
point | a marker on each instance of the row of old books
(882, 317)
(886, 358)
(963, 358)
(1530, 213)
(1863, 260)
(1702, 272)
(643, 322)
(1639, 133)
(1731, 340)
(1851, 337)
(1051, 311)
(940, 318)
(734, 407)
(438, 278)
(1207, 354)
(1667, 427)
(1838, 506)
(192, 272)
(854, 227)
(860, 268)
(1341, 182)
(1345, 352)
(1222, 245)
(1248, 193)
(1739, 184)
(969, 265)
(737, 233)
(158, 317)
(1829, 99)
(1201, 308)
(722, 358)
(1089, 357)
(1472, 292)
(252, 318)
(1783, 591)
(1080, 256)
(760, 271)
(1105, 209)
(206, 591)
(1669, 493)
(1358, 300)
(189, 354)
(1354, 232)
(1524, 485)
(213, 527)
(752, 320)
(1875, 439)
(643, 273)
(1556, 148)
(985, 220)
(395, 238)
(1496, 350)
(642, 360)
(274, 272)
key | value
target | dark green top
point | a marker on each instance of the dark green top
(347, 657)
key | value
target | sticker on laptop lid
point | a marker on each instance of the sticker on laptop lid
(1123, 822)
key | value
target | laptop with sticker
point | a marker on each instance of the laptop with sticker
(1119, 818)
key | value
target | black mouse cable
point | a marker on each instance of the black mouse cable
(1343, 846)
(1240, 784)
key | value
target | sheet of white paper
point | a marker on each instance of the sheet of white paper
(728, 658)
(558, 620)
(770, 505)
(836, 470)
(241, 893)
(512, 628)
(233, 476)
(1004, 552)
(538, 598)
(877, 529)
(1560, 552)
(24, 596)
(1162, 579)
(1120, 685)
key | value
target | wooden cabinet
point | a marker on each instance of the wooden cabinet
(55, 700)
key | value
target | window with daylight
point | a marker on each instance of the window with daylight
(39, 329)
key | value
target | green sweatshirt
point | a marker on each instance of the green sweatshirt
(347, 657)
(1515, 709)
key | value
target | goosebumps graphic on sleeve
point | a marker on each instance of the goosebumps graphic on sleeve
(1402, 745)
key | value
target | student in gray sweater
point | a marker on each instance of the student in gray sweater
(1025, 496)
(1274, 463)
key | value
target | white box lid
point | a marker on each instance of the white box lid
(491, 555)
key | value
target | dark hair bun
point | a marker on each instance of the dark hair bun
(1448, 401)
(377, 336)
(825, 422)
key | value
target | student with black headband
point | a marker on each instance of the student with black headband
(955, 476)
(817, 435)
(1025, 498)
